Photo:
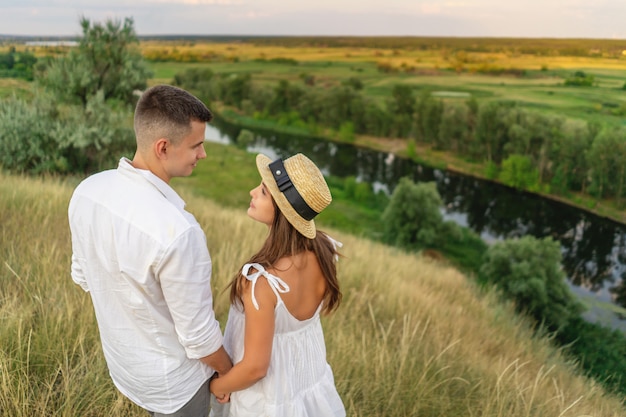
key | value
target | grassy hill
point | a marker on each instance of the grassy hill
(413, 337)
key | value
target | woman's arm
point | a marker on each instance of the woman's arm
(258, 338)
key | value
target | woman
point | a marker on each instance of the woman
(274, 334)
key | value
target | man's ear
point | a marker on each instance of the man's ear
(160, 148)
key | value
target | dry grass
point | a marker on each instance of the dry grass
(398, 58)
(412, 338)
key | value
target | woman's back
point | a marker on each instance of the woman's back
(307, 285)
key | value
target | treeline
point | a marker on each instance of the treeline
(607, 48)
(519, 147)
(15, 64)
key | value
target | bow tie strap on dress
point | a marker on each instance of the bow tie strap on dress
(276, 284)
(336, 244)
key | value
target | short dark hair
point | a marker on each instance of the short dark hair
(167, 111)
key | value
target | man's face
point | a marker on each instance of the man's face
(183, 157)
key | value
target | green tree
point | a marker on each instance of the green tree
(311, 105)
(518, 171)
(528, 271)
(454, 132)
(378, 121)
(197, 80)
(606, 158)
(244, 138)
(413, 219)
(402, 106)
(261, 97)
(360, 191)
(237, 88)
(567, 157)
(492, 129)
(402, 99)
(346, 132)
(286, 97)
(343, 104)
(428, 116)
(107, 59)
(7, 61)
(94, 137)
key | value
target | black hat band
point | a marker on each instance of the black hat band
(290, 192)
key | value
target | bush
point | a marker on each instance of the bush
(601, 351)
(244, 139)
(518, 172)
(528, 271)
(41, 137)
(413, 219)
(358, 191)
(346, 132)
(580, 79)
(28, 137)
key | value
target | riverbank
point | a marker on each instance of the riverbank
(425, 155)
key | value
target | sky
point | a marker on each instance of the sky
(603, 19)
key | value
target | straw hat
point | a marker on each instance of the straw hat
(298, 187)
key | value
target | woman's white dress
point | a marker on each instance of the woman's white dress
(299, 381)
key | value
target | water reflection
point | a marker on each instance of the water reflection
(594, 248)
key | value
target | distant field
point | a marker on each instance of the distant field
(12, 86)
(495, 70)
(529, 71)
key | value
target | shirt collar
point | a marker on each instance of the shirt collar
(126, 167)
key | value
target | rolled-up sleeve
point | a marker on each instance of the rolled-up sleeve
(77, 273)
(185, 276)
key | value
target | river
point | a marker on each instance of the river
(593, 248)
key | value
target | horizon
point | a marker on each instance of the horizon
(534, 19)
(242, 36)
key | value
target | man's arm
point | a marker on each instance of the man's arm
(219, 360)
(184, 273)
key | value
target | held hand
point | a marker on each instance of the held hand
(222, 397)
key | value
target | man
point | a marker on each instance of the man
(145, 262)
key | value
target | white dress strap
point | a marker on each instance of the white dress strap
(276, 284)
(336, 244)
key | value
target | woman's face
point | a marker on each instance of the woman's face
(261, 206)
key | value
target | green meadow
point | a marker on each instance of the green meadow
(531, 72)
(413, 336)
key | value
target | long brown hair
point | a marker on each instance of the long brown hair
(284, 240)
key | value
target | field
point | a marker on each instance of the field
(413, 337)
(532, 74)
(11, 86)
(529, 71)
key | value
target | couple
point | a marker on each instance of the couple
(145, 263)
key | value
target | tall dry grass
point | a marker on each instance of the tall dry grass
(412, 337)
